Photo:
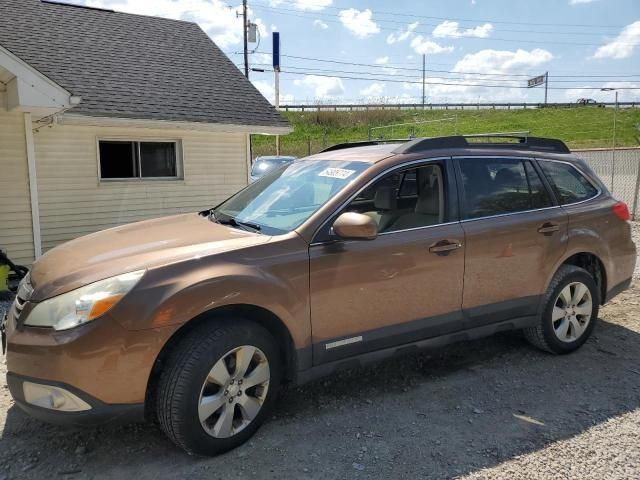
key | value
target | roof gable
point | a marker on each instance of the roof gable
(133, 66)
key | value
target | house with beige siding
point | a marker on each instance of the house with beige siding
(108, 118)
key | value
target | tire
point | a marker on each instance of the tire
(549, 334)
(194, 379)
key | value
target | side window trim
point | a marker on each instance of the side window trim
(580, 172)
(461, 193)
(451, 203)
(545, 181)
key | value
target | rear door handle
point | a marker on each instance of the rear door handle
(443, 247)
(548, 228)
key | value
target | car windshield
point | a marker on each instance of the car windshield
(264, 164)
(286, 196)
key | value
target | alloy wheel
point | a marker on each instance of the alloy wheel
(234, 391)
(572, 312)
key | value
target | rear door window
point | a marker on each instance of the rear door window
(568, 183)
(496, 186)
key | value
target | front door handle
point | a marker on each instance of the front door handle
(548, 228)
(443, 247)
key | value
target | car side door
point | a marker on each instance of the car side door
(515, 232)
(403, 286)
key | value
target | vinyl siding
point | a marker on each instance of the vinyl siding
(73, 202)
(16, 235)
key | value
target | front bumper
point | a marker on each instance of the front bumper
(98, 412)
(101, 362)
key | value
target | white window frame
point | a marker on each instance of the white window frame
(138, 140)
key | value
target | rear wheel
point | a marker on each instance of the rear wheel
(569, 313)
(218, 387)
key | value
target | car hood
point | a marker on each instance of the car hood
(132, 247)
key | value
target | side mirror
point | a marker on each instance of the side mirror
(351, 225)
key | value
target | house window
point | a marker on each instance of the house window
(123, 159)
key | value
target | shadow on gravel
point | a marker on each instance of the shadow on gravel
(438, 415)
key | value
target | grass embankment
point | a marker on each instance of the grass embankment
(580, 127)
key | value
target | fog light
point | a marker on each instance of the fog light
(54, 398)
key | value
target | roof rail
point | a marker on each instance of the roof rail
(518, 141)
(507, 140)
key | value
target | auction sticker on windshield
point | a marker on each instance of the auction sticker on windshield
(340, 173)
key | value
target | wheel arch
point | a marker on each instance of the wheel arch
(593, 264)
(253, 313)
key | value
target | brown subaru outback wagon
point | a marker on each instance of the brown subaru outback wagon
(351, 255)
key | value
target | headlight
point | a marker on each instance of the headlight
(84, 304)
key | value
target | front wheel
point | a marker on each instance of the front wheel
(569, 313)
(218, 387)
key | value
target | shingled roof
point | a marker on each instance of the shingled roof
(133, 66)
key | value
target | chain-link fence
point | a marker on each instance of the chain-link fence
(619, 169)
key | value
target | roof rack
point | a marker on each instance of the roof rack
(511, 140)
(506, 140)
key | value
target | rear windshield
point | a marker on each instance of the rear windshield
(287, 196)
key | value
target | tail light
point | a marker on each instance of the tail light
(621, 211)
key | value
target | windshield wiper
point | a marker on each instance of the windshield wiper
(223, 219)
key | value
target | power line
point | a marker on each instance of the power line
(498, 39)
(392, 80)
(414, 16)
(386, 66)
(417, 77)
(316, 14)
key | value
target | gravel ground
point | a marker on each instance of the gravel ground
(493, 408)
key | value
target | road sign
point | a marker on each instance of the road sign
(276, 51)
(535, 81)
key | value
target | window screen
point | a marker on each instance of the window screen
(130, 159)
(569, 184)
(118, 160)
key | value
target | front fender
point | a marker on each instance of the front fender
(277, 280)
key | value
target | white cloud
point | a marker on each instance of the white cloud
(214, 16)
(484, 61)
(381, 60)
(321, 24)
(423, 46)
(311, 5)
(502, 61)
(373, 90)
(580, 2)
(268, 90)
(360, 23)
(323, 87)
(402, 34)
(449, 29)
(623, 45)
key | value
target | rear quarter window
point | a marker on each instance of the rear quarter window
(569, 184)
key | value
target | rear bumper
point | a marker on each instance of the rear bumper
(99, 413)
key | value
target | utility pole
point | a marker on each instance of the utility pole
(613, 153)
(424, 70)
(613, 149)
(244, 32)
(546, 86)
(276, 71)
